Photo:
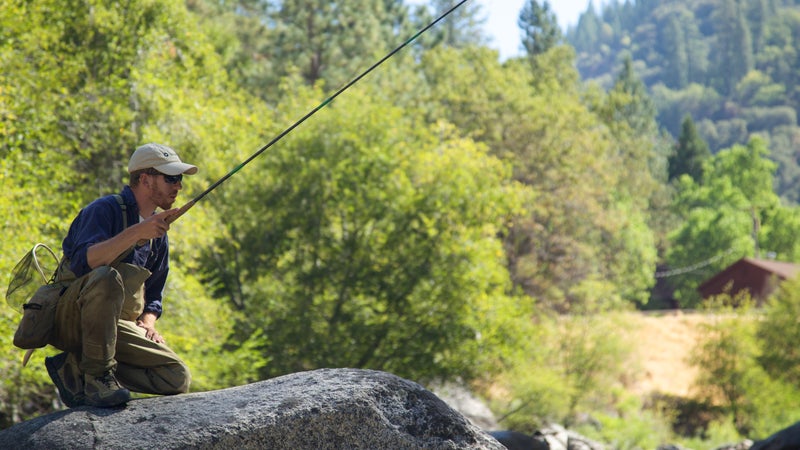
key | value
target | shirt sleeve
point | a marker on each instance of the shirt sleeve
(159, 266)
(97, 222)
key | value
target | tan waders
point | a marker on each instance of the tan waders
(95, 326)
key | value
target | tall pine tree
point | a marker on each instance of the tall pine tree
(735, 46)
(690, 152)
(463, 27)
(633, 105)
(540, 31)
(676, 69)
(331, 41)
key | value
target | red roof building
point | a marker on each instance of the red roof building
(759, 276)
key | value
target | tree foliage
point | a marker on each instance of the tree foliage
(584, 243)
(690, 152)
(729, 64)
(370, 248)
(777, 329)
(539, 27)
(734, 361)
(575, 364)
(464, 27)
(732, 212)
(326, 41)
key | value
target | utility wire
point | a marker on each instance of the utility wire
(693, 267)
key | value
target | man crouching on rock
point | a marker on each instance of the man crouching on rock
(117, 254)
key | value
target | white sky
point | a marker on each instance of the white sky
(502, 15)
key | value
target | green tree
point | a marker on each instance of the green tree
(587, 35)
(777, 331)
(734, 361)
(240, 34)
(639, 151)
(777, 56)
(629, 104)
(757, 89)
(676, 38)
(676, 68)
(463, 27)
(540, 30)
(690, 153)
(571, 366)
(370, 241)
(726, 358)
(732, 212)
(80, 74)
(735, 56)
(784, 153)
(562, 251)
(674, 105)
(332, 41)
(698, 49)
(759, 13)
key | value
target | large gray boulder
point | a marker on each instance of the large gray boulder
(551, 437)
(321, 409)
(786, 439)
(462, 400)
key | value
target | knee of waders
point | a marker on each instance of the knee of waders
(182, 380)
(105, 285)
(171, 379)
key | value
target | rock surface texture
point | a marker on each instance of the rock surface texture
(321, 409)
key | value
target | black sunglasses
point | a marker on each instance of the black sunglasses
(171, 179)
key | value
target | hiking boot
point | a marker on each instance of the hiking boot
(104, 391)
(66, 375)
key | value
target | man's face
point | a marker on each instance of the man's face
(164, 189)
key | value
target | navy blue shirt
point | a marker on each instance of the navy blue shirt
(101, 220)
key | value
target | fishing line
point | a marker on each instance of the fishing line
(327, 101)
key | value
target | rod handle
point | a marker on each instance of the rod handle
(172, 218)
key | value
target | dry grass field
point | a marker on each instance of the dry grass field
(663, 342)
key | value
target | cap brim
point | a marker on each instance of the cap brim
(177, 168)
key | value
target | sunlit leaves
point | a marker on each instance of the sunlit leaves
(583, 211)
(733, 212)
(367, 228)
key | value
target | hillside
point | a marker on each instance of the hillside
(728, 65)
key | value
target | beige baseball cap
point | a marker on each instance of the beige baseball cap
(161, 158)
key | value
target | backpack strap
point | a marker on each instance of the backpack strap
(124, 226)
(124, 210)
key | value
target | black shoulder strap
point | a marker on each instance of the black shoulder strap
(124, 210)
(124, 226)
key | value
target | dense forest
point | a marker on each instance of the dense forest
(720, 74)
(730, 65)
(451, 217)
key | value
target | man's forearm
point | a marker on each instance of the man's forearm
(104, 253)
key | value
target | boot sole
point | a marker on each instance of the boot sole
(118, 398)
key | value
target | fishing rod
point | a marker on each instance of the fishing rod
(325, 102)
